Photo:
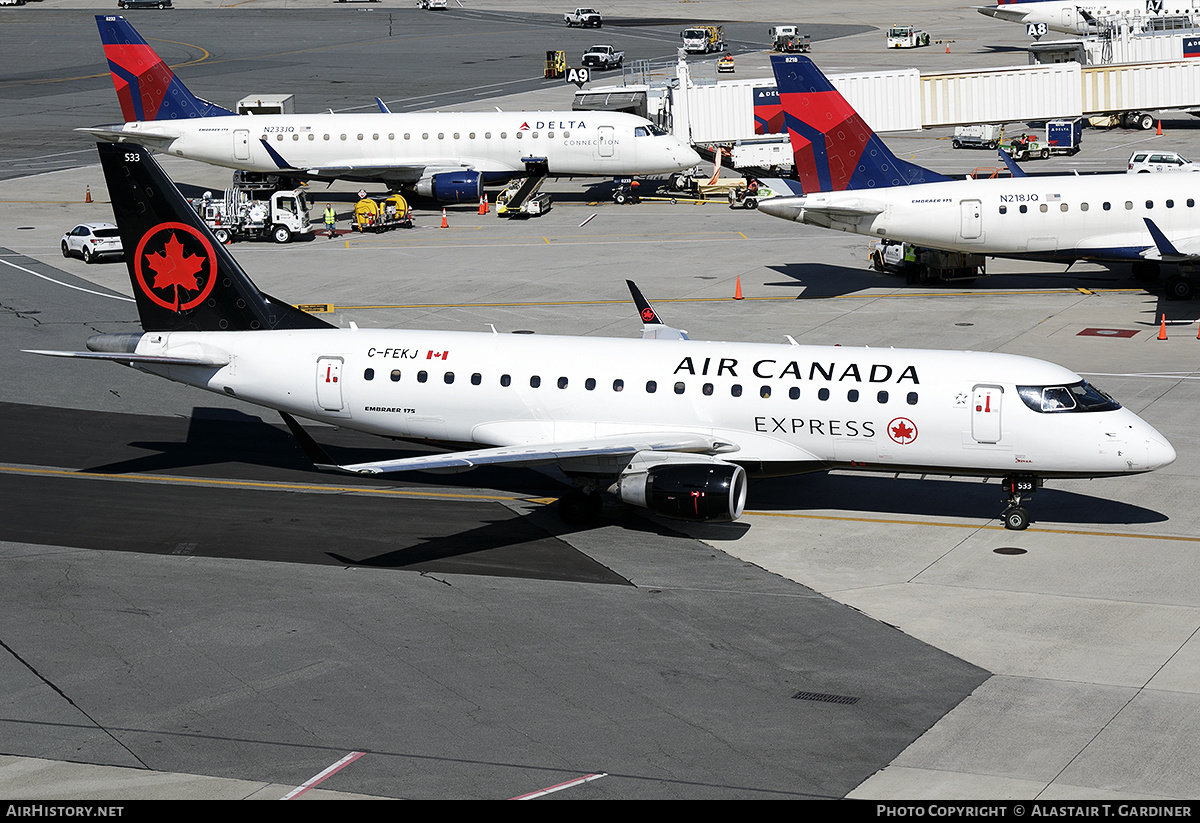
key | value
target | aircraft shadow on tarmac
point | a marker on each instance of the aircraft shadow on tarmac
(820, 280)
(940, 498)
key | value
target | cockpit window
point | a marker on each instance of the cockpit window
(648, 130)
(1076, 397)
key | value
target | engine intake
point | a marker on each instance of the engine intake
(688, 491)
(452, 187)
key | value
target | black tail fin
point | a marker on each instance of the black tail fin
(183, 279)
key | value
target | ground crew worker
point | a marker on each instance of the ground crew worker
(330, 219)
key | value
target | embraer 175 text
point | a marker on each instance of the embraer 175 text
(1074, 17)
(852, 182)
(663, 422)
(448, 156)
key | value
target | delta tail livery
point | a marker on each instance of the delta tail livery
(853, 183)
(1086, 16)
(447, 156)
(662, 422)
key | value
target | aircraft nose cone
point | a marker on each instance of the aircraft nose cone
(1161, 452)
(787, 208)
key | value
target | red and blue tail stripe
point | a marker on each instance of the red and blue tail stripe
(834, 149)
(146, 86)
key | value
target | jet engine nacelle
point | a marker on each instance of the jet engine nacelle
(688, 491)
(452, 187)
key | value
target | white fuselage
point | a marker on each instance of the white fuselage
(415, 145)
(1095, 217)
(785, 408)
(1068, 16)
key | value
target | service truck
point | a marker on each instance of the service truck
(906, 37)
(248, 213)
(788, 39)
(587, 18)
(925, 266)
(703, 38)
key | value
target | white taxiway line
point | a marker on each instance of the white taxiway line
(68, 285)
(587, 778)
(316, 780)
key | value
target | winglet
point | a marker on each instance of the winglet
(276, 156)
(1166, 249)
(1016, 170)
(382, 106)
(652, 327)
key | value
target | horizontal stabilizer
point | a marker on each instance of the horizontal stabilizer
(148, 359)
(154, 138)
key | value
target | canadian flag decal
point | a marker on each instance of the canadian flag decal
(438, 355)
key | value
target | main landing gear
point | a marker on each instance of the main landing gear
(580, 507)
(1019, 487)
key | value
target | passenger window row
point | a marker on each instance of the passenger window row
(1128, 205)
(708, 389)
(408, 136)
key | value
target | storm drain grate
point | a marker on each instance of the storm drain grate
(825, 698)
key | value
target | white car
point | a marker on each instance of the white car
(1143, 162)
(432, 4)
(92, 241)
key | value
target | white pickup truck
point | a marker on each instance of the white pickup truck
(587, 18)
(604, 57)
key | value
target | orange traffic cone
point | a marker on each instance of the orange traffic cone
(1162, 328)
(947, 48)
(486, 207)
(1160, 128)
(737, 292)
(88, 198)
(445, 223)
(481, 209)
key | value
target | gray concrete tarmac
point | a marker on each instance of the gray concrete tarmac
(175, 632)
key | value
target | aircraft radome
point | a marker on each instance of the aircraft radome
(447, 156)
(662, 422)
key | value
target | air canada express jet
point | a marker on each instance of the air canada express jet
(852, 182)
(444, 155)
(664, 422)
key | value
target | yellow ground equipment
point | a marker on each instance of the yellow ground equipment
(389, 213)
(556, 65)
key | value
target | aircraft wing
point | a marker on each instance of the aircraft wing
(1171, 251)
(392, 173)
(531, 454)
(1006, 13)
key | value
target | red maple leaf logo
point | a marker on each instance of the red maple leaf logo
(647, 315)
(174, 268)
(902, 430)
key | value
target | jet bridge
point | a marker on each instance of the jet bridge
(700, 112)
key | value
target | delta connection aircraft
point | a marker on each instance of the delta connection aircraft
(664, 422)
(447, 156)
(853, 183)
(1074, 17)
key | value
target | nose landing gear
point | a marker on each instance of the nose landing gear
(1016, 517)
